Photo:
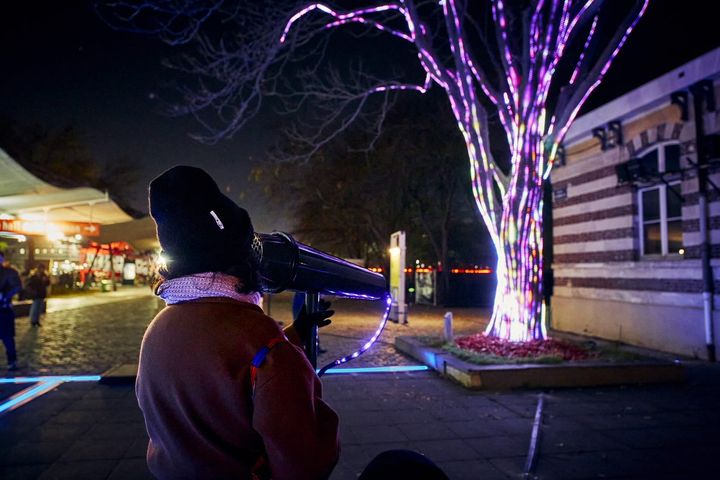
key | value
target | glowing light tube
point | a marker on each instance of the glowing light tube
(389, 369)
(28, 395)
(59, 378)
(366, 346)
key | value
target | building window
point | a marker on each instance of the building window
(661, 205)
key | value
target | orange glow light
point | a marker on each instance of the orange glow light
(472, 271)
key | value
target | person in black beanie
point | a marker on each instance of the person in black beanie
(199, 228)
(225, 392)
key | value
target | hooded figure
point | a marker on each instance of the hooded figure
(224, 391)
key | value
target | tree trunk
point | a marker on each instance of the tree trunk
(519, 311)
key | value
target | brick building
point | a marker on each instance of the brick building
(627, 203)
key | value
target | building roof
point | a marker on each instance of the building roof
(647, 97)
(21, 192)
(140, 233)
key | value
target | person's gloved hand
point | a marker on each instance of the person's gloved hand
(305, 321)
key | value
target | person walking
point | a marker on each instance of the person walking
(9, 286)
(36, 287)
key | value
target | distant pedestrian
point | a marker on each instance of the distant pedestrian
(9, 286)
(36, 289)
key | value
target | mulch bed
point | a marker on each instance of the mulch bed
(482, 344)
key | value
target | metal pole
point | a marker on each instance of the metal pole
(312, 301)
(448, 331)
(707, 273)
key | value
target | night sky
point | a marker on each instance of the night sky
(61, 65)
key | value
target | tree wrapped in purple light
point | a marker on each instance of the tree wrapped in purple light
(534, 109)
(540, 61)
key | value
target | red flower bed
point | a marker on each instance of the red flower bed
(483, 344)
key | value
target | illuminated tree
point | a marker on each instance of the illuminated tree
(533, 66)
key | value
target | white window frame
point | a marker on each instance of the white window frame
(663, 193)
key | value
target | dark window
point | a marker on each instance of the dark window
(675, 236)
(674, 203)
(672, 158)
(651, 204)
(652, 241)
(649, 163)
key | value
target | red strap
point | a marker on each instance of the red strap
(259, 470)
(260, 358)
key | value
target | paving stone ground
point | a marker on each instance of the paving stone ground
(90, 334)
(92, 431)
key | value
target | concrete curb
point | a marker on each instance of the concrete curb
(120, 375)
(504, 377)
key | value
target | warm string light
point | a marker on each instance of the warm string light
(534, 134)
(472, 271)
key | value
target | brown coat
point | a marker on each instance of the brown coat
(193, 387)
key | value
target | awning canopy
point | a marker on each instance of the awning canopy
(23, 194)
(139, 233)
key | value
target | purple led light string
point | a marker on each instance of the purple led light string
(372, 23)
(530, 129)
(343, 18)
(525, 142)
(564, 128)
(535, 29)
(420, 88)
(498, 11)
(576, 71)
(366, 346)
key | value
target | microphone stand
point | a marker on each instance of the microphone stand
(312, 301)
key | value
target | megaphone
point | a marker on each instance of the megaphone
(286, 264)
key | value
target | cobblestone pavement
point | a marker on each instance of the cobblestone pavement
(85, 340)
(90, 335)
(355, 322)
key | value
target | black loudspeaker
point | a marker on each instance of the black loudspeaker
(286, 264)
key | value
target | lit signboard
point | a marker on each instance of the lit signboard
(35, 227)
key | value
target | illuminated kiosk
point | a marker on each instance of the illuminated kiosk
(398, 310)
(41, 223)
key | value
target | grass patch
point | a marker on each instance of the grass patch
(483, 359)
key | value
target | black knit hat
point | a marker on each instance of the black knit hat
(199, 228)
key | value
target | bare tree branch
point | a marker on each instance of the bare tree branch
(575, 95)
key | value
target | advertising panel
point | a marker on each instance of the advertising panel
(35, 227)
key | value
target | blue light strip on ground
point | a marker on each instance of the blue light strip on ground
(43, 385)
(59, 378)
(28, 395)
(47, 383)
(397, 368)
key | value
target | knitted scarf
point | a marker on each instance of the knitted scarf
(204, 285)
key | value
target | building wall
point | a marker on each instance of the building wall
(603, 287)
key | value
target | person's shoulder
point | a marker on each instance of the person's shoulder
(223, 312)
(9, 271)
